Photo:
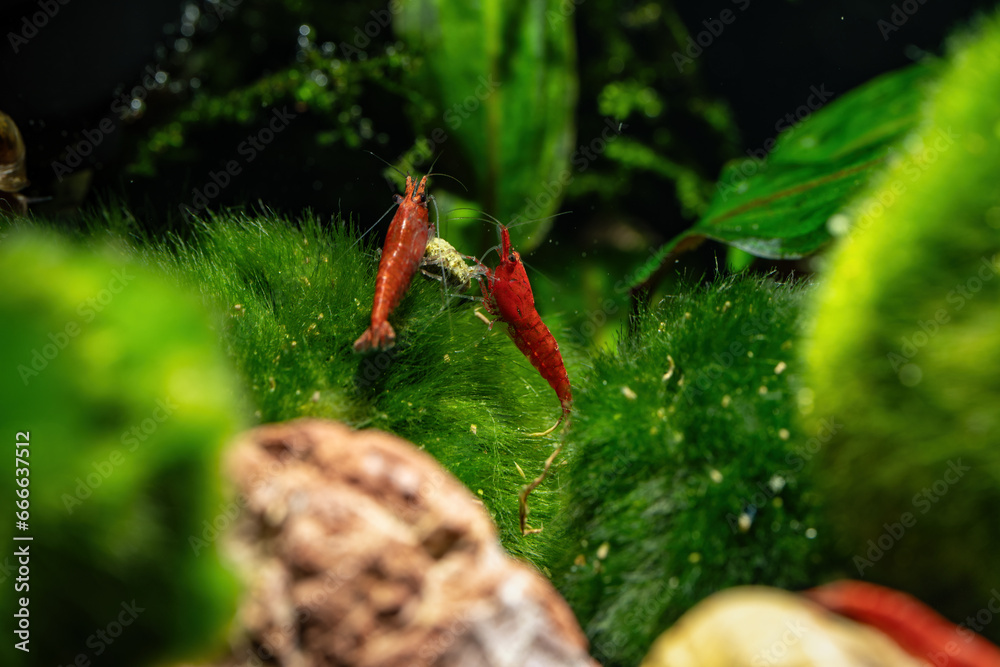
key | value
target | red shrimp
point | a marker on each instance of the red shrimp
(507, 296)
(401, 256)
(917, 629)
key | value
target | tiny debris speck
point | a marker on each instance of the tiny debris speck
(670, 371)
(777, 483)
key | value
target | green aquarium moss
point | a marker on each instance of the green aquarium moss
(682, 474)
(116, 383)
(904, 353)
(682, 462)
(292, 299)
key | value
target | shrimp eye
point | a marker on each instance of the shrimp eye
(423, 198)
(398, 199)
(511, 258)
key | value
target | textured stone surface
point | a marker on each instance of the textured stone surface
(360, 550)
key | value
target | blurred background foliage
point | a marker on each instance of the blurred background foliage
(613, 114)
(118, 377)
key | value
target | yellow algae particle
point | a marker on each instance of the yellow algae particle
(670, 371)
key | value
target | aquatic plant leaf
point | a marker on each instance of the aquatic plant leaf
(504, 76)
(777, 206)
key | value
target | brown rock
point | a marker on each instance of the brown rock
(361, 550)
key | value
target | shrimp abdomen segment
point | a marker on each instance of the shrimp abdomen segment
(536, 342)
(397, 267)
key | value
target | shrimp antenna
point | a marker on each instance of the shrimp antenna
(470, 217)
(466, 208)
(437, 215)
(434, 162)
(373, 226)
(525, 222)
(388, 164)
(487, 218)
(430, 172)
(451, 177)
(534, 269)
(496, 247)
(490, 218)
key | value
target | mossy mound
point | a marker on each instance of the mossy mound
(905, 351)
(683, 457)
(126, 401)
(682, 475)
(294, 296)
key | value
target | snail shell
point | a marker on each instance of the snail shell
(13, 175)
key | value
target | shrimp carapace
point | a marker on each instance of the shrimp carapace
(401, 255)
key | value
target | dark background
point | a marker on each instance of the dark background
(761, 66)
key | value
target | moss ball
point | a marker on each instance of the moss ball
(905, 348)
(116, 383)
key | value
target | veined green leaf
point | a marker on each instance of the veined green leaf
(778, 206)
(504, 75)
